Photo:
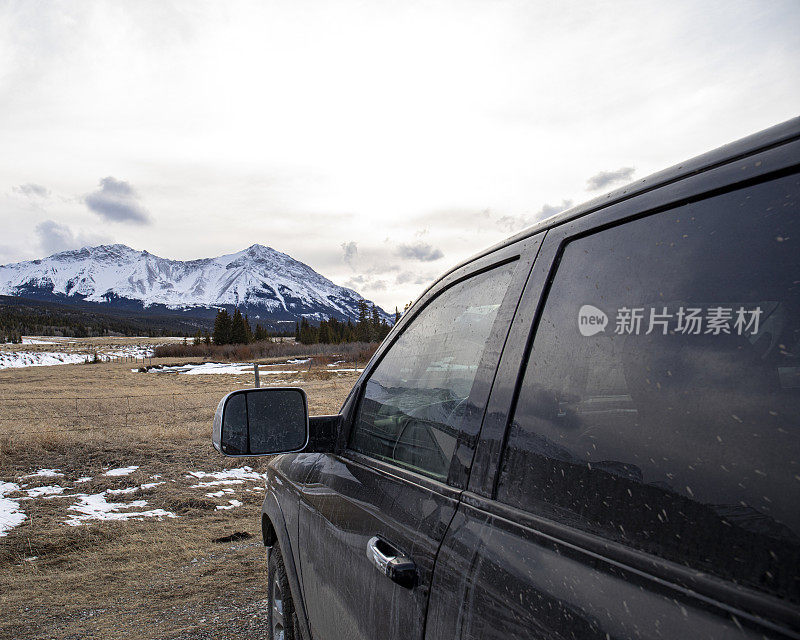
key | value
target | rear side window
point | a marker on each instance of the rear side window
(416, 402)
(660, 406)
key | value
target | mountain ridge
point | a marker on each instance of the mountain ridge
(259, 280)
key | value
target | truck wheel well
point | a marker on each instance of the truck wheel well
(268, 531)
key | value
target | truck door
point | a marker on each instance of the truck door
(372, 516)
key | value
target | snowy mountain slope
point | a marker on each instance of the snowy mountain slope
(258, 279)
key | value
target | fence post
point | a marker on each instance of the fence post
(255, 371)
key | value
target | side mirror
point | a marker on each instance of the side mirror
(259, 422)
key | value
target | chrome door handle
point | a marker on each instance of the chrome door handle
(395, 566)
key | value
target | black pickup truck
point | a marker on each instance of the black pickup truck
(590, 430)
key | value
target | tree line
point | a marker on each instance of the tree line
(236, 329)
(19, 317)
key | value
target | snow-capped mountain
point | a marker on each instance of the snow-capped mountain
(259, 280)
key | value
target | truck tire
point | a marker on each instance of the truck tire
(282, 617)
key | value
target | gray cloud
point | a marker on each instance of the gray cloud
(606, 178)
(55, 237)
(117, 201)
(350, 250)
(419, 251)
(32, 190)
(362, 283)
(517, 223)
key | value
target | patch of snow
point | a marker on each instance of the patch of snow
(36, 341)
(122, 471)
(231, 504)
(242, 473)
(95, 507)
(219, 494)
(215, 483)
(119, 492)
(19, 359)
(298, 361)
(44, 491)
(222, 478)
(134, 351)
(84, 479)
(10, 514)
(231, 368)
(47, 473)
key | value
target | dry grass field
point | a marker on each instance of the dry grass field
(191, 564)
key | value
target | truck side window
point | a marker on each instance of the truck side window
(660, 405)
(415, 403)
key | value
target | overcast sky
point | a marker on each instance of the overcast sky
(378, 142)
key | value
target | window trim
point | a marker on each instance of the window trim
(523, 253)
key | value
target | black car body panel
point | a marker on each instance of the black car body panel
(486, 566)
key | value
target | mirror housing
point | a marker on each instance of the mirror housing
(261, 422)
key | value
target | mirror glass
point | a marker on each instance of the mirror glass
(262, 421)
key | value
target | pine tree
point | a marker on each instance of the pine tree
(363, 324)
(238, 330)
(198, 338)
(296, 332)
(374, 325)
(324, 332)
(307, 333)
(222, 328)
(396, 315)
(248, 329)
(261, 333)
(206, 338)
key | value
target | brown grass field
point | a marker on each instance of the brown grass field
(168, 577)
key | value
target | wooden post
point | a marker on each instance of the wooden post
(255, 370)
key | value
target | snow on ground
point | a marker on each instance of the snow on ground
(117, 492)
(242, 473)
(231, 504)
(86, 507)
(44, 491)
(10, 514)
(44, 473)
(122, 471)
(237, 368)
(18, 359)
(218, 494)
(96, 507)
(233, 368)
(72, 353)
(133, 351)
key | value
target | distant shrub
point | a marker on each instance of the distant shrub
(321, 353)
